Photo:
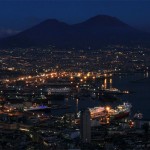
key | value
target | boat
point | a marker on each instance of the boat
(37, 108)
(121, 111)
(97, 112)
(121, 115)
(57, 93)
(138, 116)
(112, 91)
(115, 91)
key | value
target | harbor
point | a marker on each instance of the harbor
(103, 108)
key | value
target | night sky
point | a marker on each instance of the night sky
(17, 15)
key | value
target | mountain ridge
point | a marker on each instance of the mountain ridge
(94, 32)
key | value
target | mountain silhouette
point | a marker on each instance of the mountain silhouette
(95, 32)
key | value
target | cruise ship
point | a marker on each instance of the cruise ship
(115, 91)
(37, 108)
(55, 91)
(119, 112)
(97, 112)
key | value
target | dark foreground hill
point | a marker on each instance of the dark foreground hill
(95, 32)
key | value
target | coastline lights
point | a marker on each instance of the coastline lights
(108, 108)
(79, 74)
(81, 80)
(85, 77)
(88, 74)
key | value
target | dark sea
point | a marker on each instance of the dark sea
(137, 83)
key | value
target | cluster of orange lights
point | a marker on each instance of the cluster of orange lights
(42, 77)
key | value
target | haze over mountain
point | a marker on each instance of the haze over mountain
(5, 32)
(95, 32)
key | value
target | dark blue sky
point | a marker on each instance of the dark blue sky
(21, 14)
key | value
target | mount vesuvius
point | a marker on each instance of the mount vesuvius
(98, 31)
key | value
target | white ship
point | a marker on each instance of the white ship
(119, 112)
(97, 112)
(56, 91)
(112, 90)
(37, 108)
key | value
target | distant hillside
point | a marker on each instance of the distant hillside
(95, 32)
